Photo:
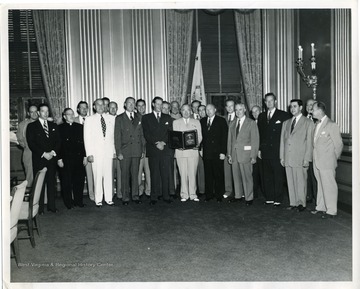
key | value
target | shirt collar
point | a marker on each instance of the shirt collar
(42, 121)
(155, 113)
(297, 118)
(128, 113)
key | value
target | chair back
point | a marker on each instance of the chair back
(36, 191)
(18, 193)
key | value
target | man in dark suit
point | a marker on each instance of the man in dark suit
(156, 126)
(257, 167)
(270, 125)
(72, 159)
(44, 142)
(311, 192)
(214, 145)
(130, 148)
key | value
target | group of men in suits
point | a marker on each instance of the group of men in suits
(239, 155)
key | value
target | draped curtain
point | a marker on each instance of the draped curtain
(179, 28)
(249, 40)
(49, 28)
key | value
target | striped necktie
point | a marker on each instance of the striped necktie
(158, 117)
(103, 125)
(46, 129)
(293, 125)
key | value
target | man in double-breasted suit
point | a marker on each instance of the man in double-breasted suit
(214, 145)
(155, 127)
(82, 110)
(130, 148)
(296, 153)
(44, 142)
(187, 160)
(270, 125)
(243, 147)
(328, 147)
(72, 159)
(228, 176)
(100, 150)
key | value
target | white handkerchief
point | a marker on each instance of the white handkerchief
(139, 122)
(166, 123)
(247, 148)
(322, 132)
(278, 121)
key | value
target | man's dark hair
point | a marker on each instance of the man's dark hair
(321, 105)
(42, 105)
(106, 98)
(270, 94)
(198, 101)
(299, 101)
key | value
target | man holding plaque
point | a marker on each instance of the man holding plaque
(187, 159)
(214, 145)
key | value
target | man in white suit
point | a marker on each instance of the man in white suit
(100, 150)
(243, 147)
(296, 153)
(328, 146)
(187, 160)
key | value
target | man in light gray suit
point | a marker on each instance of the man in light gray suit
(243, 147)
(187, 160)
(296, 153)
(130, 148)
(328, 146)
(82, 110)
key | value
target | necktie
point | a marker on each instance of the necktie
(103, 125)
(158, 117)
(229, 119)
(293, 125)
(83, 119)
(131, 117)
(209, 124)
(318, 124)
(46, 129)
(269, 116)
(237, 128)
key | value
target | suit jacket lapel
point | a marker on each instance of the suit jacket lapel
(301, 120)
(322, 126)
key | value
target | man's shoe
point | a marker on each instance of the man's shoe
(196, 200)
(291, 208)
(183, 199)
(328, 216)
(111, 204)
(277, 204)
(126, 203)
(138, 202)
(314, 212)
(249, 203)
(208, 199)
(268, 202)
(301, 208)
(234, 200)
(99, 205)
(53, 211)
(152, 202)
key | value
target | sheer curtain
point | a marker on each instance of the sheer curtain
(179, 28)
(249, 39)
(50, 37)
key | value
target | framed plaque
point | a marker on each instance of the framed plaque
(183, 139)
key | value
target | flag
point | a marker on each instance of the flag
(197, 87)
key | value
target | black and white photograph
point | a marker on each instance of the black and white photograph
(100, 186)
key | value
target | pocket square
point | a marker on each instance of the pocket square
(278, 121)
(53, 129)
(166, 123)
(322, 132)
(139, 122)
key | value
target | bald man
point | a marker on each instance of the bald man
(214, 145)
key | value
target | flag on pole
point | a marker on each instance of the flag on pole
(197, 87)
